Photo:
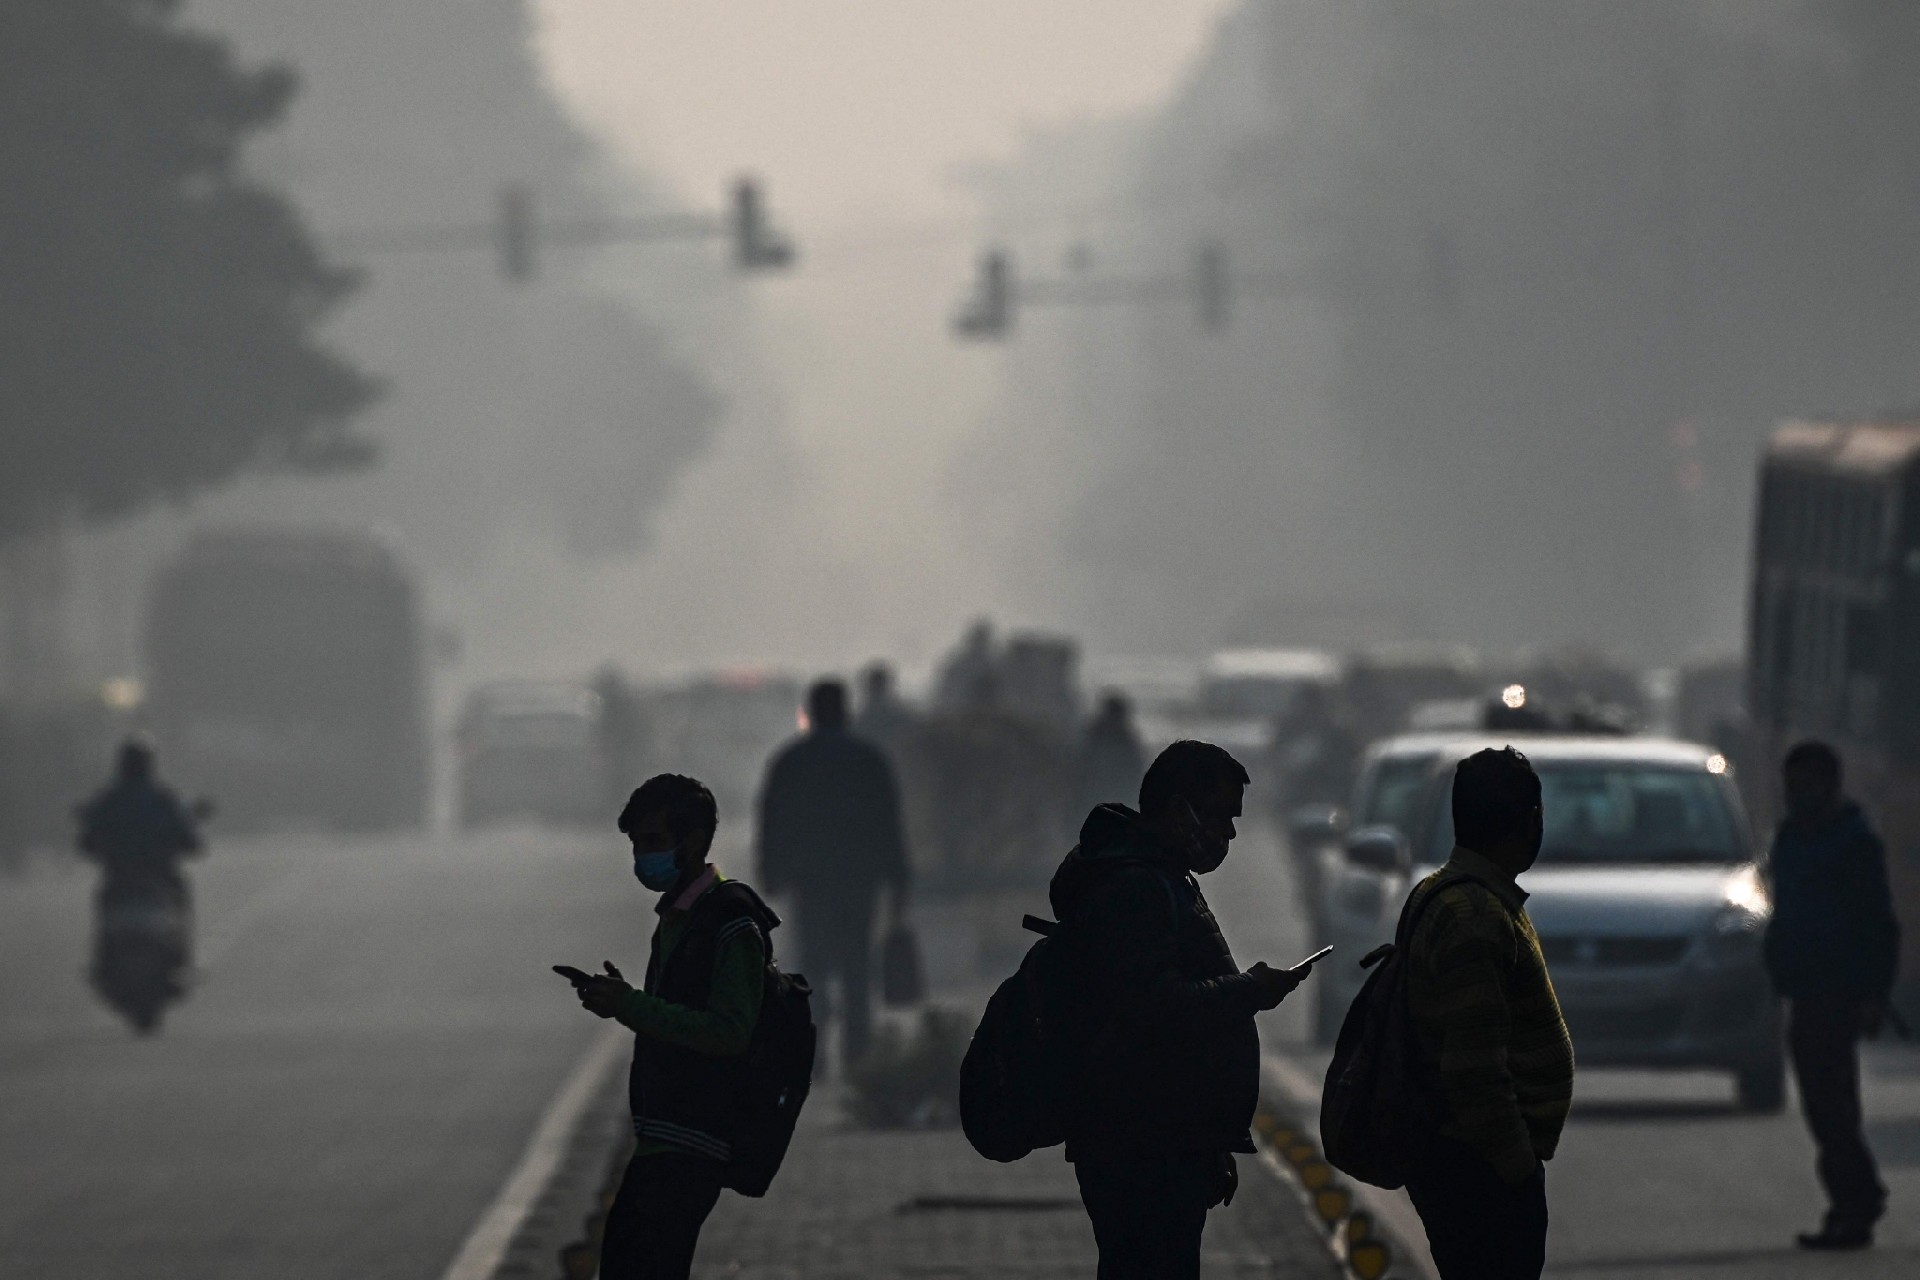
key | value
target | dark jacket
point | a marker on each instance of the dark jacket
(1833, 931)
(679, 1095)
(1170, 1059)
(830, 817)
(137, 829)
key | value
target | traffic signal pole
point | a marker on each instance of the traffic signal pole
(518, 234)
(990, 311)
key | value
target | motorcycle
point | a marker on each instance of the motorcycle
(140, 949)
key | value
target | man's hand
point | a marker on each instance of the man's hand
(1275, 985)
(602, 994)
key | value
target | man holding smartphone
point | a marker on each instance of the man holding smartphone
(693, 1022)
(1166, 1071)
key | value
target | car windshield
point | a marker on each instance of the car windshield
(1392, 797)
(1624, 812)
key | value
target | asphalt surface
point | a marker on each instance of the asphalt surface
(1657, 1176)
(375, 1038)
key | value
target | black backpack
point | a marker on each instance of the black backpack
(1380, 1098)
(1013, 1081)
(778, 1076)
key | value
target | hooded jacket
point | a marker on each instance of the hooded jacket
(1833, 931)
(1168, 1059)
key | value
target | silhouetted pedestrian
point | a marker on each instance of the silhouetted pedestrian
(830, 833)
(884, 720)
(693, 1022)
(1167, 1069)
(1490, 1027)
(1832, 948)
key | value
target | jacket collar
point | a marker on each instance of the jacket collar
(1465, 861)
(692, 893)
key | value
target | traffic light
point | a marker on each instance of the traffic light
(515, 233)
(988, 314)
(1212, 290)
(756, 245)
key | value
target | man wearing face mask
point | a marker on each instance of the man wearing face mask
(693, 1022)
(1832, 948)
(1490, 1030)
(1167, 1072)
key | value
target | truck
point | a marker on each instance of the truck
(1833, 635)
(286, 679)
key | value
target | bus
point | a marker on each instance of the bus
(1833, 643)
(286, 678)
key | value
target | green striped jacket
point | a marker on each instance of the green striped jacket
(1487, 1017)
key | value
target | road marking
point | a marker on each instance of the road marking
(1391, 1209)
(487, 1243)
(233, 928)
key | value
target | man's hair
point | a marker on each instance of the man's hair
(1494, 794)
(686, 802)
(1187, 769)
(1814, 757)
(134, 761)
(827, 703)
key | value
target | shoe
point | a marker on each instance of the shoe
(1838, 1237)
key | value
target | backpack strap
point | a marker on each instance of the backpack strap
(1410, 916)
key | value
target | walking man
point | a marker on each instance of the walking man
(693, 1022)
(1490, 1027)
(1167, 1071)
(1832, 948)
(830, 833)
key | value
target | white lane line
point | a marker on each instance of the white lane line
(487, 1242)
(234, 927)
(1391, 1209)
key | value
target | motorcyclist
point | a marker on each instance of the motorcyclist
(137, 829)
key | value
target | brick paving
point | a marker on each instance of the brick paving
(855, 1204)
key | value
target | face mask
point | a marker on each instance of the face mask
(658, 871)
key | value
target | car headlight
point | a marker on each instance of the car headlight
(1742, 917)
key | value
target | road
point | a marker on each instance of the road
(1657, 1176)
(374, 1040)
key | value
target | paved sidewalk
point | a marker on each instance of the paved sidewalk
(866, 1205)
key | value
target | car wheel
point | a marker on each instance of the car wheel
(1762, 1089)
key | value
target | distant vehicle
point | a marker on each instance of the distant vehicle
(530, 750)
(1833, 642)
(1244, 692)
(286, 676)
(1647, 896)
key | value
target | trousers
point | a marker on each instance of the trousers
(836, 942)
(1479, 1226)
(1148, 1213)
(656, 1216)
(1823, 1037)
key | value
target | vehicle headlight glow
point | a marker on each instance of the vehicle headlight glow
(1716, 763)
(1742, 917)
(1514, 696)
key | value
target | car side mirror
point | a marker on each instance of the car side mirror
(1315, 824)
(1382, 849)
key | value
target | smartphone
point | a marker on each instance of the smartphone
(578, 977)
(1311, 960)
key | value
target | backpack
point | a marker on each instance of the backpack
(1380, 1095)
(1013, 1080)
(778, 1074)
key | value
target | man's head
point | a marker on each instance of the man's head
(1190, 797)
(1811, 779)
(876, 683)
(1115, 708)
(670, 814)
(134, 763)
(1496, 807)
(827, 705)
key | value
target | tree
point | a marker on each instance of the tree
(157, 306)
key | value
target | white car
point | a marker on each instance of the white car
(1648, 896)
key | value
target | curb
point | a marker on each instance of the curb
(1355, 1237)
